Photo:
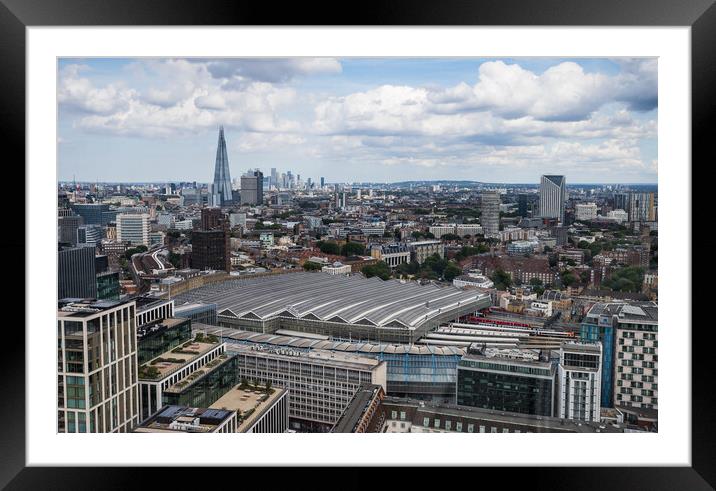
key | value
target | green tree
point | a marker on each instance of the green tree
(451, 272)
(501, 279)
(311, 266)
(379, 269)
(329, 248)
(568, 278)
(583, 244)
(450, 237)
(352, 249)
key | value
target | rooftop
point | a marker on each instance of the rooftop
(344, 299)
(172, 419)
(172, 360)
(251, 402)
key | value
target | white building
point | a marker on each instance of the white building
(579, 379)
(133, 228)
(552, 197)
(585, 211)
(474, 281)
(636, 357)
(337, 268)
(620, 216)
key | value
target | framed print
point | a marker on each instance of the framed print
(437, 226)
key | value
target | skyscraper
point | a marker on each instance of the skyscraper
(552, 197)
(490, 218)
(222, 178)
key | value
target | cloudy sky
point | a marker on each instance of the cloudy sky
(360, 119)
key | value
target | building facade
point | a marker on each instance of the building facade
(133, 228)
(490, 217)
(97, 367)
(552, 197)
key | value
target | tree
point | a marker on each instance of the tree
(311, 266)
(583, 244)
(450, 237)
(568, 278)
(501, 279)
(379, 269)
(268, 386)
(329, 248)
(451, 272)
(536, 281)
(175, 259)
(352, 249)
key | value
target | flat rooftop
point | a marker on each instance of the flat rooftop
(306, 341)
(343, 360)
(176, 358)
(85, 307)
(200, 373)
(182, 419)
(250, 402)
(341, 299)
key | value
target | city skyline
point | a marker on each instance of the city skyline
(360, 120)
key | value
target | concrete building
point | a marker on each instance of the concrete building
(97, 367)
(337, 268)
(133, 228)
(320, 384)
(585, 211)
(392, 254)
(252, 188)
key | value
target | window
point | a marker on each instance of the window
(426, 422)
(470, 428)
(437, 423)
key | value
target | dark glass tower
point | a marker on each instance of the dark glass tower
(222, 178)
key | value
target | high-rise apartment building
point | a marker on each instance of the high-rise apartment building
(222, 177)
(585, 211)
(490, 217)
(97, 389)
(552, 197)
(133, 228)
(642, 207)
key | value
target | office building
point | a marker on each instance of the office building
(552, 197)
(420, 371)
(252, 188)
(210, 250)
(320, 384)
(94, 213)
(490, 213)
(97, 367)
(579, 381)
(133, 228)
(89, 235)
(108, 287)
(221, 187)
(76, 276)
(166, 379)
(392, 254)
(514, 380)
(67, 227)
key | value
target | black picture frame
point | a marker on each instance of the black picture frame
(16, 15)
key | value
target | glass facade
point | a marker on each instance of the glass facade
(207, 388)
(163, 339)
(604, 333)
(520, 391)
(108, 286)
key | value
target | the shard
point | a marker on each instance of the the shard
(222, 178)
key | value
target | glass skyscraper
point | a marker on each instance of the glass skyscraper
(552, 197)
(222, 178)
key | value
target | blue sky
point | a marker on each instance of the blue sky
(355, 119)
